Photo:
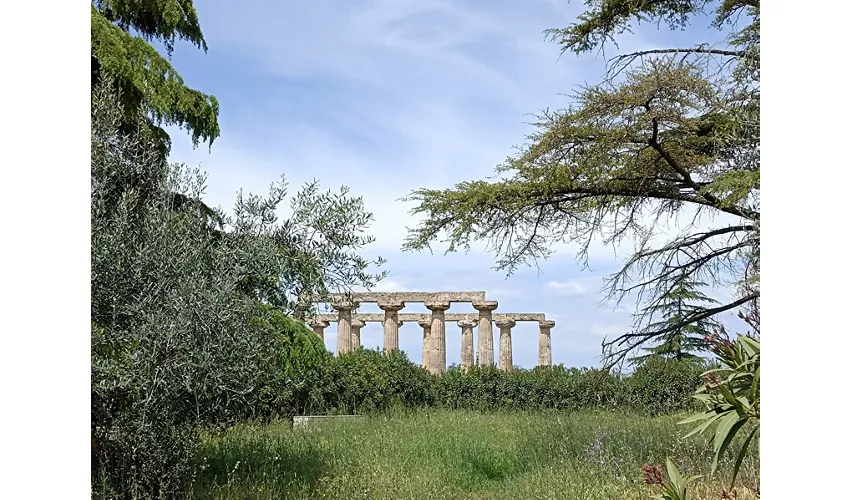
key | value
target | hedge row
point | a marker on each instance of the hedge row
(366, 381)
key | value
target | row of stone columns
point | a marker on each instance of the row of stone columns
(434, 334)
(433, 346)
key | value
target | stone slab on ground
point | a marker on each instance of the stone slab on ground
(304, 420)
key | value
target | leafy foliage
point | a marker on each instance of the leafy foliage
(674, 489)
(367, 381)
(606, 18)
(182, 336)
(171, 343)
(486, 388)
(295, 376)
(663, 385)
(731, 394)
(312, 253)
(677, 131)
(148, 82)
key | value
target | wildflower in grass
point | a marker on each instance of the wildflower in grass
(652, 474)
(676, 489)
(595, 453)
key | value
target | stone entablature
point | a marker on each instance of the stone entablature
(413, 317)
(379, 297)
(433, 325)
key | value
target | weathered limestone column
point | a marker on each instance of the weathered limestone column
(506, 356)
(343, 335)
(356, 325)
(426, 342)
(467, 353)
(391, 324)
(438, 336)
(544, 350)
(319, 326)
(485, 331)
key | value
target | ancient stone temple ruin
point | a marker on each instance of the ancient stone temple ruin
(434, 326)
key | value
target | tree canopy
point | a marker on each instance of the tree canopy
(665, 131)
(121, 51)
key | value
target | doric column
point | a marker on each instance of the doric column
(485, 331)
(319, 326)
(544, 350)
(467, 353)
(426, 342)
(356, 325)
(506, 357)
(343, 331)
(438, 336)
(391, 324)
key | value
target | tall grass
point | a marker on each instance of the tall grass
(455, 454)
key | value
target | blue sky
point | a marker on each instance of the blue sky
(389, 96)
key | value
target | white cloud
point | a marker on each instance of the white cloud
(567, 288)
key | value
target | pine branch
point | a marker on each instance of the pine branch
(691, 50)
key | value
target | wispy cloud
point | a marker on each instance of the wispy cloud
(566, 288)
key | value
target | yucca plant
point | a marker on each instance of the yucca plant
(675, 488)
(731, 392)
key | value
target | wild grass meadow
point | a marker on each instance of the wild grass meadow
(457, 454)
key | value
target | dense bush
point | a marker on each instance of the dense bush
(488, 388)
(366, 381)
(297, 374)
(664, 385)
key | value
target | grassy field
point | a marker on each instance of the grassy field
(456, 454)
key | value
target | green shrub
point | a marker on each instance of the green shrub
(664, 385)
(367, 381)
(309, 380)
(296, 376)
(488, 388)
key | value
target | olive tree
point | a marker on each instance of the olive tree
(178, 336)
